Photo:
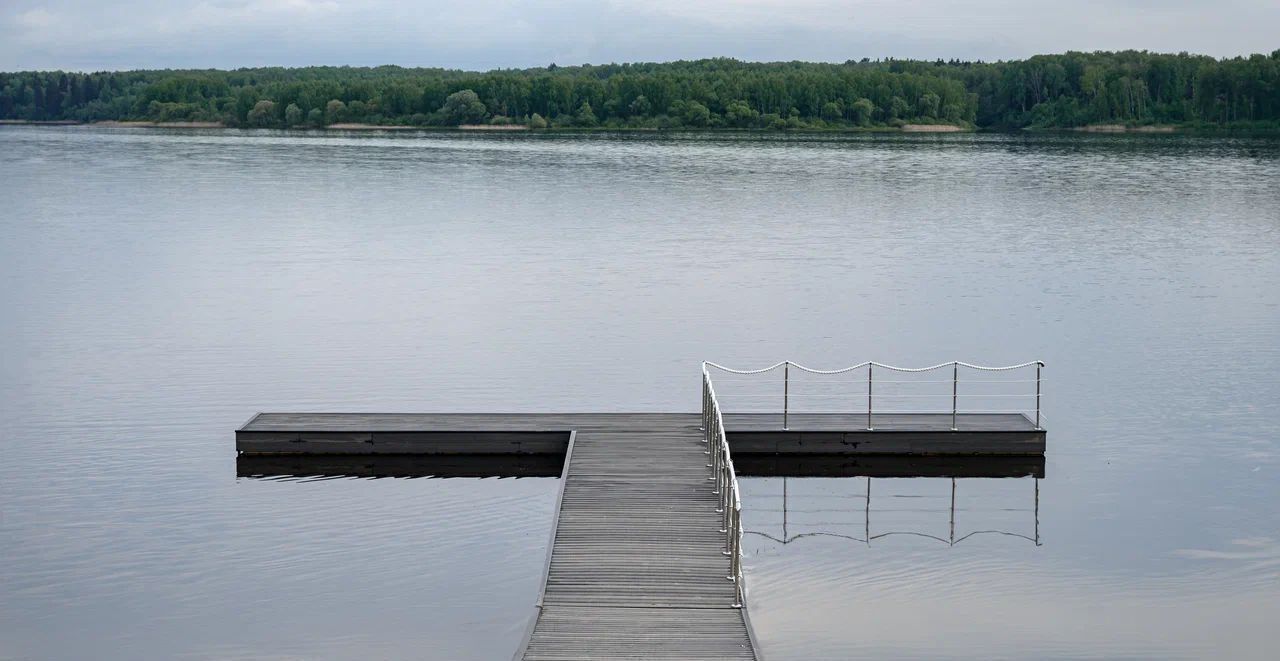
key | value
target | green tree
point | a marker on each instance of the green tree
(640, 107)
(696, 114)
(263, 113)
(1135, 87)
(740, 114)
(315, 117)
(335, 111)
(463, 107)
(585, 116)
(861, 111)
(898, 108)
(293, 115)
(928, 106)
(537, 122)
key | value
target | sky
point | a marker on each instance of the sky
(91, 35)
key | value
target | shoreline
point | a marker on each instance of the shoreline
(934, 128)
(1156, 129)
(1122, 128)
(357, 126)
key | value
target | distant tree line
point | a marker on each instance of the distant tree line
(1071, 89)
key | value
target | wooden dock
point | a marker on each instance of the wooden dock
(637, 567)
(548, 433)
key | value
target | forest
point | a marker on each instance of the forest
(1133, 88)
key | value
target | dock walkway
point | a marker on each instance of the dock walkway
(637, 567)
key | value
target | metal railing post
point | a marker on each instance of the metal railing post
(955, 388)
(786, 391)
(869, 369)
(1038, 366)
(703, 427)
(715, 456)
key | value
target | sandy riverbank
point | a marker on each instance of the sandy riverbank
(494, 127)
(932, 128)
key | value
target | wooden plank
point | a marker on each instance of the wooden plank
(637, 568)
(592, 632)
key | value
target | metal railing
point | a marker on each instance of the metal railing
(955, 395)
(729, 501)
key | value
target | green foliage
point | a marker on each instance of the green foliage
(929, 105)
(640, 106)
(334, 111)
(586, 117)
(262, 114)
(861, 111)
(740, 114)
(293, 115)
(696, 114)
(1071, 89)
(536, 121)
(463, 107)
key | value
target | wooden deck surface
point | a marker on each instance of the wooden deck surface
(637, 568)
(558, 422)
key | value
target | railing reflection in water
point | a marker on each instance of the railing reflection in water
(788, 511)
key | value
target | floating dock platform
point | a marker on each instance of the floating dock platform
(644, 560)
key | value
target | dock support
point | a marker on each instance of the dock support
(869, 368)
(955, 388)
(786, 392)
(1038, 366)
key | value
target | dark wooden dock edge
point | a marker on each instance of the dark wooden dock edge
(542, 434)
(546, 564)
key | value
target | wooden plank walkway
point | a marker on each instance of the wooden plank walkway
(637, 567)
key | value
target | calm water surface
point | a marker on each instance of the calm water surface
(157, 288)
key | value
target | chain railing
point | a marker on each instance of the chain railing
(875, 396)
(729, 500)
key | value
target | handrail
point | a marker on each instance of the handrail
(729, 504)
(988, 368)
(870, 366)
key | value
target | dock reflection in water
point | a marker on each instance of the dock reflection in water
(840, 541)
(908, 495)
(475, 530)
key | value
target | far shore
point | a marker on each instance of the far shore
(160, 125)
(357, 126)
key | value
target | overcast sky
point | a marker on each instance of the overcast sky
(484, 34)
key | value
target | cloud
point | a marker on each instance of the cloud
(35, 19)
(83, 34)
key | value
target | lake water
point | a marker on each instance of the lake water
(159, 287)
